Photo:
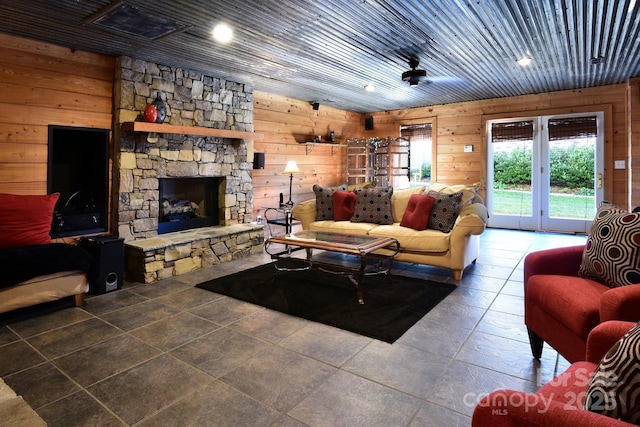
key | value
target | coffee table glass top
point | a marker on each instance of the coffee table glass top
(335, 238)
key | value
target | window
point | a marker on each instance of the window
(420, 149)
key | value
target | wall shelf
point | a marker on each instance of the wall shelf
(189, 130)
(310, 145)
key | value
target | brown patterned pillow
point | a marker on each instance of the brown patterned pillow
(445, 211)
(612, 253)
(613, 389)
(324, 201)
(373, 205)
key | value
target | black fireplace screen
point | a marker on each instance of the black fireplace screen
(187, 203)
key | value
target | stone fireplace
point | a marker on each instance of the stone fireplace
(193, 101)
(188, 202)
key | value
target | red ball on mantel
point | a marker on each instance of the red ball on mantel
(150, 113)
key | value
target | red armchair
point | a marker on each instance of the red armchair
(558, 403)
(561, 308)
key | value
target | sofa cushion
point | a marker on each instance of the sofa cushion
(324, 201)
(26, 219)
(347, 227)
(411, 240)
(445, 210)
(373, 205)
(344, 204)
(400, 199)
(469, 191)
(368, 184)
(418, 211)
(612, 252)
(613, 389)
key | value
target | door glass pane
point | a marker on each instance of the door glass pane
(512, 145)
(572, 145)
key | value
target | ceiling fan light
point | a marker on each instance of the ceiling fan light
(414, 76)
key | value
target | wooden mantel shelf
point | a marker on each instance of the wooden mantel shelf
(189, 130)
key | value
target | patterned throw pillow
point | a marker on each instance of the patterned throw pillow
(612, 253)
(445, 210)
(324, 201)
(613, 389)
(373, 205)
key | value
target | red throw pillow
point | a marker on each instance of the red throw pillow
(418, 210)
(25, 220)
(344, 205)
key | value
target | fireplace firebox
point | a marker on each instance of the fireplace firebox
(188, 202)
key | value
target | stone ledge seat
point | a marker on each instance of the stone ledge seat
(172, 254)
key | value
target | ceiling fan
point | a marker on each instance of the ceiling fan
(414, 76)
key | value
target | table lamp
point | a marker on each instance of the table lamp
(291, 168)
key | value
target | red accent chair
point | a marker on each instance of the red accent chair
(561, 308)
(560, 402)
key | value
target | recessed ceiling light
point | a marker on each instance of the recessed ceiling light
(369, 88)
(222, 33)
(524, 61)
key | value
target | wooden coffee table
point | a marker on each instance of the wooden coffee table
(382, 248)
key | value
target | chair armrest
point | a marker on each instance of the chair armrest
(620, 303)
(305, 212)
(558, 261)
(603, 337)
(509, 408)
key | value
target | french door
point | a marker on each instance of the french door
(545, 173)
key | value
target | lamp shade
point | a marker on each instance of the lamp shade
(291, 167)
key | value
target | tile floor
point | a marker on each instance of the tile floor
(169, 354)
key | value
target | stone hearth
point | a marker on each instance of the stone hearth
(172, 254)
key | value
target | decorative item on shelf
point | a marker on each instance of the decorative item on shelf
(290, 169)
(332, 136)
(161, 108)
(150, 114)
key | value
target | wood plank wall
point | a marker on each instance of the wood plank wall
(43, 84)
(286, 123)
(457, 125)
(633, 97)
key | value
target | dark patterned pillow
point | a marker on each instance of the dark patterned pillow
(613, 389)
(373, 205)
(445, 210)
(612, 253)
(324, 202)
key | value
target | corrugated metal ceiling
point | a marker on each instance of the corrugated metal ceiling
(328, 50)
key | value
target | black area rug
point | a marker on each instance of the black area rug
(391, 304)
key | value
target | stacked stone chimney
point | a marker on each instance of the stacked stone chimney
(191, 99)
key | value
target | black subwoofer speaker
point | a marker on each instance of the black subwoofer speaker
(108, 251)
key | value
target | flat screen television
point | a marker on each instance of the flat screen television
(78, 169)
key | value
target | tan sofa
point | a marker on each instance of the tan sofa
(454, 250)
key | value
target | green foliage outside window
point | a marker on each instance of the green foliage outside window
(571, 168)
